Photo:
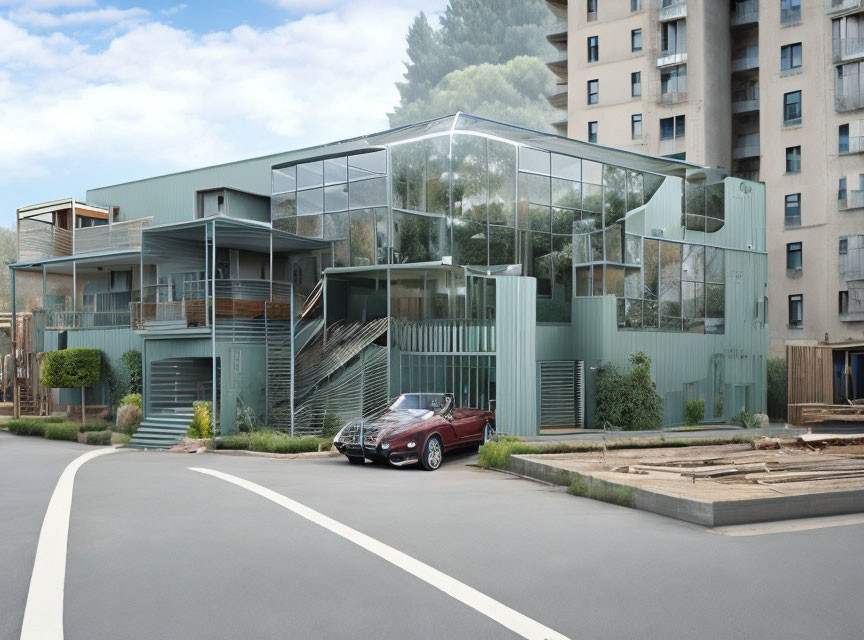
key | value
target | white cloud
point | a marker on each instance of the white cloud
(42, 5)
(160, 96)
(107, 16)
(170, 11)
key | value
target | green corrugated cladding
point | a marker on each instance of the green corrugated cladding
(516, 359)
(243, 373)
(682, 358)
(113, 343)
(171, 198)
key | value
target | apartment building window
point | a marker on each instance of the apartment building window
(843, 302)
(844, 246)
(790, 10)
(673, 80)
(792, 210)
(673, 37)
(593, 49)
(793, 256)
(792, 108)
(592, 131)
(592, 10)
(790, 57)
(796, 311)
(636, 84)
(843, 139)
(793, 159)
(636, 126)
(636, 40)
(672, 128)
(635, 5)
(841, 195)
(593, 91)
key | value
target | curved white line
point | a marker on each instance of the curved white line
(500, 613)
(43, 615)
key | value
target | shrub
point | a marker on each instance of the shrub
(133, 398)
(273, 442)
(99, 438)
(628, 401)
(128, 418)
(777, 389)
(70, 368)
(62, 431)
(120, 438)
(27, 426)
(746, 420)
(131, 361)
(201, 425)
(247, 420)
(101, 425)
(694, 412)
(239, 441)
(332, 425)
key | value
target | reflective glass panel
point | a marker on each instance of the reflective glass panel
(651, 182)
(566, 193)
(693, 302)
(592, 197)
(634, 190)
(502, 183)
(335, 170)
(534, 160)
(284, 180)
(470, 177)
(469, 242)
(651, 269)
(438, 174)
(283, 206)
(693, 267)
(310, 226)
(615, 280)
(365, 165)
(562, 220)
(362, 232)
(614, 243)
(566, 167)
(714, 267)
(310, 174)
(368, 193)
(694, 198)
(592, 172)
(416, 238)
(502, 245)
(583, 281)
(632, 249)
(336, 197)
(336, 229)
(409, 176)
(540, 219)
(310, 201)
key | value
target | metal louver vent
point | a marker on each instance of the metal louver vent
(562, 395)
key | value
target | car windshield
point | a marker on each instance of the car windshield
(421, 401)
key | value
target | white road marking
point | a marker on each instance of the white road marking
(788, 526)
(502, 614)
(43, 614)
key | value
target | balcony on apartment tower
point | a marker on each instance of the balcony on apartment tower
(833, 7)
(746, 146)
(673, 10)
(746, 59)
(744, 13)
(746, 99)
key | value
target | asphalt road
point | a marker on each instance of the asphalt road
(158, 551)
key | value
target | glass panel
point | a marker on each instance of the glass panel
(597, 286)
(634, 190)
(651, 269)
(589, 222)
(288, 225)
(382, 235)
(470, 177)
(633, 283)
(566, 167)
(309, 202)
(633, 314)
(502, 183)
(336, 197)
(438, 174)
(310, 226)
(620, 311)
(592, 172)
(615, 280)
(597, 246)
(695, 223)
(651, 182)
(368, 193)
(693, 303)
(284, 180)
(615, 195)
(469, 242)
(715, 201)
(335, 170)
(310, 174)
(540, 219)
(408, 176)
(715, 308)
(365, 165)
(592, 197)
(534, 189)
(563, 261)
(714, 267)
(670, 285)
(583, 281)
(581, 249)
(539, 259)
(566, 193)
(649, 314)
(633, 249)
(693, 267)
(534, 160)
(362, 232)
(614, 244)
(283, 206)
(694, 198)
(416, 238)
(502, 245)
(562, 220)
(336, 229)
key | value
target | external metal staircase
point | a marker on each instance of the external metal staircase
(161, 431)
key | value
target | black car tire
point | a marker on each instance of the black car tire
(488, 432)
(356, 460)
(433, 454)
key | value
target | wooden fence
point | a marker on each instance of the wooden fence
(810, 378)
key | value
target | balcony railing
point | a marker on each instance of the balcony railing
(445, 336)
(669, 57)
(854, 200)
(120, 235)
(37, 241)
(744, 13)
(559, 98)
(745, 100)
(673, 11)
(848, 49)
(746, 146)
(746, 60)
(790, 15)
(840, 6)
(672, 97)
(844, 102)
(64, 319)
(855, 144)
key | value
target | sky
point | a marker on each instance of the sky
(95, 93)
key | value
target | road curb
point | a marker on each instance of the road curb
(285, 456)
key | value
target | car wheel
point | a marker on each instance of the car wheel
(356, 460)
(433, 454)
(488, 431)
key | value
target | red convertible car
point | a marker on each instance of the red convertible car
(417, 428)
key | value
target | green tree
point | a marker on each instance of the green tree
(628, 401)
(777, 389)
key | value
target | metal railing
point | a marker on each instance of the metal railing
(38, 240)
(675, 10)
(746, 146)
(670, 57)
(445, 336)
(120, 235)
(672, 97)
(855, 144)
(64, 319)
(838, 6)
(748, 59)
(746, 12)
(745, 100)
(854, 200)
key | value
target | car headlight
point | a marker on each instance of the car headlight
(411, 444)
(385, 445)
(338, 436)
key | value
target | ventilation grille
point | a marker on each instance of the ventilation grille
(562, 395)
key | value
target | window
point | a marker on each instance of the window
(636, 126)
(841, 195)
(793, 256)
(635, 5)
(792, 108)
(592, 10)
(792, 210)
(843, 139)
(593, 49)
(679, 126)
(593, 91)
(636, 84)
(796, 311)
(790, 57)
(844, 246)
(790, 10)
(673, 37)
(636, 40)
(793, 159)
(673, 80)
(843, 306)
(592, 131)
(671, 128)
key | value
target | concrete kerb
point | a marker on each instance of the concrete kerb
(706, 513)
(285, 456)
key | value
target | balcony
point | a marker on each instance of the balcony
(672, 97)
(754, 176)
(745, 100)
(674, 10)
(558, 34)
(848, 49)
(833, 7)
(120, 235)
(744, 13)
(790, 16)
(853, 200)
(557, 64)
(559, 98)
(855, 144)
(66, 320)
(843, 102)
(746, 146)
(668, 58)
(746, 59)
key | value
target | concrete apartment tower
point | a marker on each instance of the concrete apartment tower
(770, 90)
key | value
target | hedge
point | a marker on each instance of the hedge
(102, 438)
(62, 431)
(71, 368)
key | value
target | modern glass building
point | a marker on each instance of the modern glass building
(458, 255)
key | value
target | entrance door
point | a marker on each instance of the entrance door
(175, 383)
